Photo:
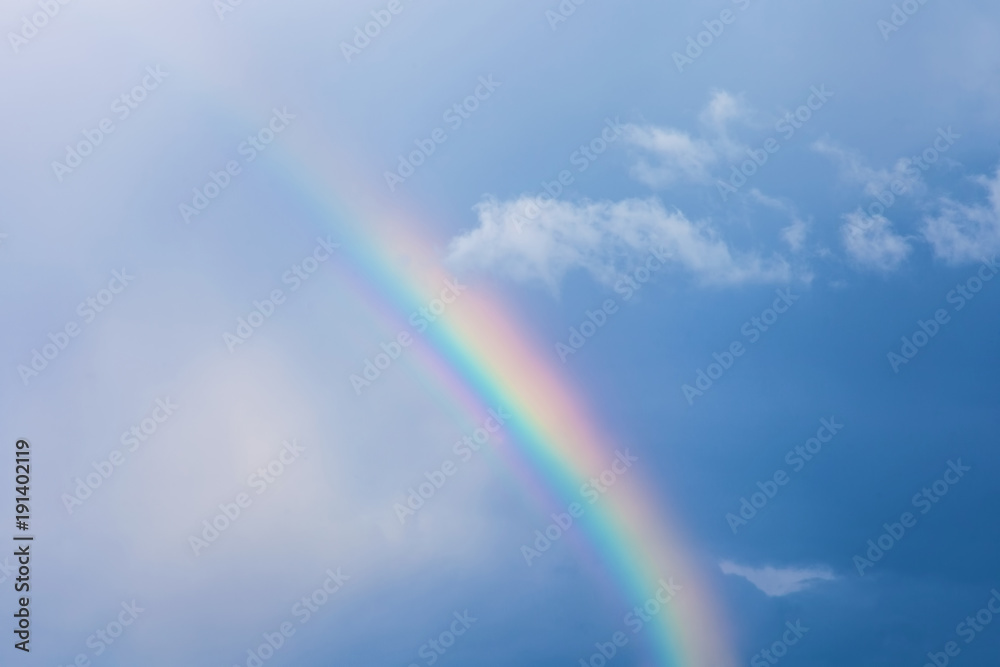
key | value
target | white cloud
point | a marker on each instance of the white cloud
(673, 155)
(795, 233)
(874, 182)
(678, 156)
(967, 233)
(528, 239)
(722, 110)
(771, 202)
(871, 242)
(775, 582)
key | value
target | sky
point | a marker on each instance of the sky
(267, 264)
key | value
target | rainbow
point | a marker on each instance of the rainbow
(481, 358)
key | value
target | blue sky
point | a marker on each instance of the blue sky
(868, 209)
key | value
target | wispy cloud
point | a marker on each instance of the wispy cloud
(963, 233)
(795, 233)
(603, 238)
(672, 155)
(668, 155)
(778, 582)
(854, 169)
(871, 242)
